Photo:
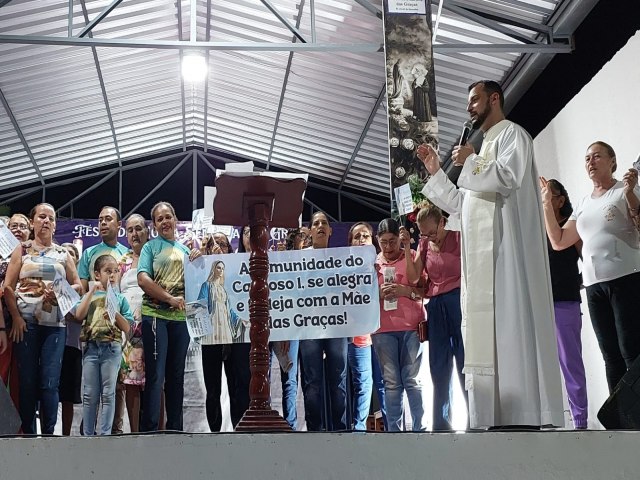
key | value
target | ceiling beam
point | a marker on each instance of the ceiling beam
(284, 20)
(285, 81)
(160, 184)
(177, 45)
(206, 162)
(562, 46)
(318, 209)
(12, 197)
(105, 11)
(86, 191)
(489, 23)
(70, 20)
(206, 80)
(363, 134)
(370, 7)
(103, 89)
(477, 8)
(182, 95)
(319, 186)
(18, 130)
(98, 173)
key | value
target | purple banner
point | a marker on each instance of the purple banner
(85, 233)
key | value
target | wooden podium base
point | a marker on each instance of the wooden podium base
(262, 421)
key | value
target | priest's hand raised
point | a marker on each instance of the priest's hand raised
(429, 157)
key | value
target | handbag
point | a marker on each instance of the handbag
(423, 331)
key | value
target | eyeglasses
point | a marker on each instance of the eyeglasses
(223, 244)
(431, 234)
(246, 232)
(362, 236)
(388, 243)
(19, 226)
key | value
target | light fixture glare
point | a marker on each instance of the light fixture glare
(194, 67)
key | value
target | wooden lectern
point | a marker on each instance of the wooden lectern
(259, 201)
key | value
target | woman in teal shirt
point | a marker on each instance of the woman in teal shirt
(164, 330)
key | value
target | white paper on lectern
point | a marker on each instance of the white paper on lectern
(245, 169)
(237, 167)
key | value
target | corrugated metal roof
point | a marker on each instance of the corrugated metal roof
(315, 112)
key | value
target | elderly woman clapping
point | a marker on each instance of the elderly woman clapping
(605, 221)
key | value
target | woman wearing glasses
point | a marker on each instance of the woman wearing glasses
(438, 260)
(396, 341)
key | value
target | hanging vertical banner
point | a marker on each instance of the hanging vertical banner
(411, 93)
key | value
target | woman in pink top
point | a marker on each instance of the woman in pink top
(396, 342)
(439, 258)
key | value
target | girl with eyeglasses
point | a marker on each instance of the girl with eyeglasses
(396, 341)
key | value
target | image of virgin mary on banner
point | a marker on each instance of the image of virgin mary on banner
(411, 95)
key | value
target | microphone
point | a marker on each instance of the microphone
(466, 131)
(455, 170)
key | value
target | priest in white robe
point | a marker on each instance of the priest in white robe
(511, 361)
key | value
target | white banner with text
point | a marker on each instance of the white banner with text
(323, 293)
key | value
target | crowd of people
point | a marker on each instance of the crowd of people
(503, 322)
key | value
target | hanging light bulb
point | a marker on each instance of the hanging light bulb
(194, 67)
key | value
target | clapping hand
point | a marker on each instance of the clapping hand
(545, 190)
(429, 158)
(630, 180)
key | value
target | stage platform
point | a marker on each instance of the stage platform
(309, 456)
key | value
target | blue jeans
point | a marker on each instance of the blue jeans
(361, 383)
(614, 315)
(39, 358)
(400, 355)
(165, 351)
(311, 357)
(378, 385)
(100, 366)
(290, 386)
(445, 344)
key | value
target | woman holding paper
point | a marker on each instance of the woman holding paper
(106, 314)
(38, 324)
(396, 341)
(19, 227)
(164, 328)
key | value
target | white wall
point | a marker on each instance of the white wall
(606, 109)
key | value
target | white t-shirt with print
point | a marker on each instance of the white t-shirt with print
(611, 241)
